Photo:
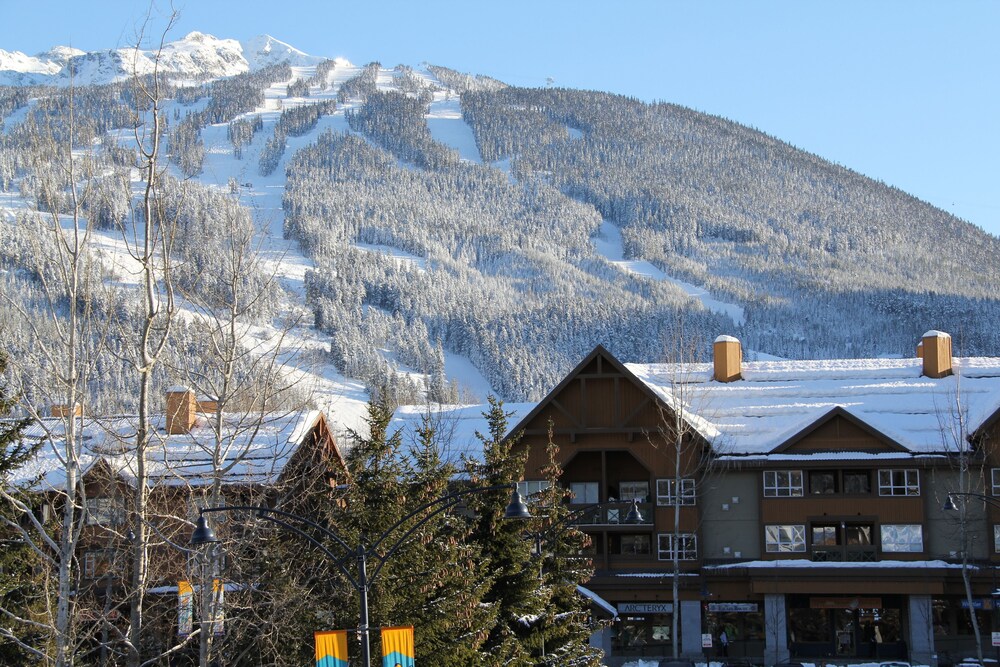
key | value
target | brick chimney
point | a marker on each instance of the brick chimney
(936, 354)
(182, 409)
(728, 359)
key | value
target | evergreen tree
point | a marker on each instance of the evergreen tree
(515, 591)
(20, 593)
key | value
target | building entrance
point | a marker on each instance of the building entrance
(846, 627)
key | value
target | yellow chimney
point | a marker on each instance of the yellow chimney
(937, 354)
(182, 410)
(728, 359)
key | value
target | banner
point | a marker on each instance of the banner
(218, 614)
(185, 608)
(331, 648)
(397, 647)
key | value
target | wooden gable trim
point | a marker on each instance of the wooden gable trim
(840, 412)
(606, 363)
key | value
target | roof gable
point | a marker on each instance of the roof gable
(600, 394)
(838, 431)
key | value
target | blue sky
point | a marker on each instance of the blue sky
(905, 92)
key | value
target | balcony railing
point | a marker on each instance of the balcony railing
(846, 554)
(612, 514)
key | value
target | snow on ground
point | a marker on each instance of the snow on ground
(609, 245)
(401, 258)
(444, 120)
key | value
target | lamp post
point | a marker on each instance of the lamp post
(362, 581)
(551, 532)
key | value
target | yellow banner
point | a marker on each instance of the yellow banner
(185, 608)
(397, 647)
(331, 648)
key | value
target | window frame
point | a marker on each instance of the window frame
(791, 489)
(575, 498)
(639, 483)
(890, 488)
(995, 481)
(889, 546)
(796, 545)
(688, 549)
(688, 495)
(103, 511)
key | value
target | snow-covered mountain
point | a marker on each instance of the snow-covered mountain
(448, 236)
(195, 57)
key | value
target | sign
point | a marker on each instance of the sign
(845, 603)
(978, 603)
(331, 648)
(185, 608)
(740, 607)
(646, 608)
(706, 640)
(996, 638)
(397, 647)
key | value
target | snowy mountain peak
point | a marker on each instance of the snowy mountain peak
(197, 56)
(264, 50)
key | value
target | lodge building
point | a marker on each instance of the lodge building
(803, 500)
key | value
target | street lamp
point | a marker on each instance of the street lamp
(950, 506)
(362, 582)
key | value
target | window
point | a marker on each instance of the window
(782, 483)
(825, 536)
(822, 481)
(96, 563)
(103, 512)
(996, 537)
(905, 537)
(529, 488)
(635, 544)
(995, 475)
(584, 493)
(666, 493)
(785, 539)
(857, 482)
(633, 491)
(684, 544)
(898, 483)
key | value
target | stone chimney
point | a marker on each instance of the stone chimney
(936, 354)
(182, 410)
(728, 359)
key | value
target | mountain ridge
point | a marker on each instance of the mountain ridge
(436, 217)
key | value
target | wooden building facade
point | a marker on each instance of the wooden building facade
(799, 505)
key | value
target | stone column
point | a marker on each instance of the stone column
(921, 641)
(691, 629)
(775, 630)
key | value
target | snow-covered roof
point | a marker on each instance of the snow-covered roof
(455, 426)
(254, 449)
(776, 400)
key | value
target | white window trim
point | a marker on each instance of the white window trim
(688, 495)
(887, 490)
(995, 480)
(689, 542)
(793, 489)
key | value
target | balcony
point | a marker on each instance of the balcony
(612, 514)
(845, 554)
